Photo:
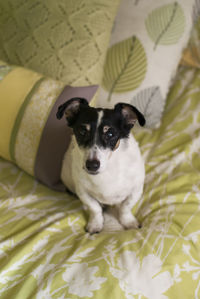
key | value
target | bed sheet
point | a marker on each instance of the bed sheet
(46, 253)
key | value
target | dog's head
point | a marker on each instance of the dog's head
(98, 132)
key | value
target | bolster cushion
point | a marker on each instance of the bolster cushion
(31, 135)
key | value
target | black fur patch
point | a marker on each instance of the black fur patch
(118, 128)
(110, 138)
(84, 137)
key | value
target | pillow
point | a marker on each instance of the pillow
(31, 135)
(66, 40)
(191, 55)
(146, 45)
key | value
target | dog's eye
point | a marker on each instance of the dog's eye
(110, 133)
(82, 131)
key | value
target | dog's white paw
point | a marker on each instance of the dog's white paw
(95, 224)
(129, 221)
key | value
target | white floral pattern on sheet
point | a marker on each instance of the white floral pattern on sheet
(146, 278)
(82, 280)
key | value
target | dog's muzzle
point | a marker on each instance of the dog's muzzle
(92, 166)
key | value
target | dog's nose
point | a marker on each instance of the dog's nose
(92, 165)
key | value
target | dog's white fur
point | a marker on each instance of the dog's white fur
(119, 181)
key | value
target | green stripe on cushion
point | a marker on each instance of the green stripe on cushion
(33, 122)
(19, 118)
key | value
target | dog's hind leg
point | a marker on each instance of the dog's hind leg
(96, 220)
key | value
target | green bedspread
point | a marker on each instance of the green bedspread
(45, 252)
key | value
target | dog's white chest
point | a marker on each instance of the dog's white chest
(111, 189)
(115, 186)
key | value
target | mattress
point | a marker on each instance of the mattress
(45, 252)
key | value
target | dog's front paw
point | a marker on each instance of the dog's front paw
(129, 222)
(95, 224)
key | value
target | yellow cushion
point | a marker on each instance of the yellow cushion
(13, 90)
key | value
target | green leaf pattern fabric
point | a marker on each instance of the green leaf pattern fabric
(45, 252)
(166, 24)
(126, 66)
(146, 45)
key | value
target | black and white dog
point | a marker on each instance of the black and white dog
(103, 164)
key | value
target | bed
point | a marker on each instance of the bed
(46, 253)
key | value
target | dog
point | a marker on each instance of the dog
(103, 165)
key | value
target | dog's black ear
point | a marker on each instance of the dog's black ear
(71, 109)
(130, 114)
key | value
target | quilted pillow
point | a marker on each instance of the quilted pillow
(31, 135)
(66, 40)
(145, 49)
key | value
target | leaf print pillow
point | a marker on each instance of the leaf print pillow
(146, 45)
